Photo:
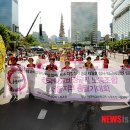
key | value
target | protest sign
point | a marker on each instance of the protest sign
(16, 81)
(76, 85)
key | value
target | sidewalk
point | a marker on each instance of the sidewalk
(117, 57)
(116, 60)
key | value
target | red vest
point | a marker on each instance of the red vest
(79, 59)
(33, 65)
(66, 68)
(71, 58)
(49, 67)
(124, 67)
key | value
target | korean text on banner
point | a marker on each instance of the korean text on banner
(78, 84)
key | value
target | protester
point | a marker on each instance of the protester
(125, 64)
(39, 62)
(79, 58)
(97, 58)
(31, 65)
(13, 63)
(88, 52)
(9, 62)
(88, 64)
(67, 65)
(43, 56)
(51, 66)
(71, 58)
(106, 61)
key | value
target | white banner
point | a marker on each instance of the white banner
(16, 81)
(104, 85)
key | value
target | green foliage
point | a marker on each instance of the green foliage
(31, 41)
(4, 33)
(101, 44)
(14, 36)
(8, 36)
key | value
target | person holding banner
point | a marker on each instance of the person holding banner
(88, 64)
(79, 58)
(51, 66)
(67, 65)
(125, 64)
(51, 69)
(39, 62)
(13, 63)
(30, 60)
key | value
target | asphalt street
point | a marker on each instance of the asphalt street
(22, 115)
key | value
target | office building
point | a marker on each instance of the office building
(98, 36)
(84, 22)
(121, 18)
(9, 14)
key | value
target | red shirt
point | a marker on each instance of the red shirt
(29, 65)
(66, 67)
(106, 62)
(124, 67)
(51, 67)
(9, 62)
(96, 59)
(79, 59)
(71, 58)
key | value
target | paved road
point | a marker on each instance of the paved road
(23, 116)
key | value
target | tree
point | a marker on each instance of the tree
(14, 36)
(4, 33)
(31, 41)
(9, 37)
(101, 44)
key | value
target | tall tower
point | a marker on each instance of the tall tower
(61, 33)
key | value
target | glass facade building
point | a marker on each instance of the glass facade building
(9, 14)
(121, 18)
(84, 22)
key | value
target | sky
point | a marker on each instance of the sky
(51, 15)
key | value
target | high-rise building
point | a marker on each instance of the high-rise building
(121, 18)
(98, 36)
(84, 22)
(9, 14)
(69, 38)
